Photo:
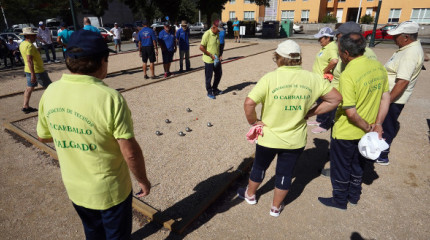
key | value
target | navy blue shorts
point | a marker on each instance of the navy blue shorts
(167, 57)
(287, 159)
(112, 223)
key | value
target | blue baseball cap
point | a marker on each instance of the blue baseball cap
(90, 42)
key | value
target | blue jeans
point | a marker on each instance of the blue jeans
(48, 47)
(346, 170)
(112, 223)
(209, 71)
(391, 126)
(287, 159)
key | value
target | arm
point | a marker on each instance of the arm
(155, 46)
(31, 67)
(398, 89)
(330, 101)
(354, 118)
(132, 153)
(251, 115)
(331, 65)
(203, 49)
(45, 140)
(382, 113)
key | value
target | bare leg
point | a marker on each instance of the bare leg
(168, 66)
(279, 197)
(252, 187)
(27, 95)
(144, 69)
(151, 67)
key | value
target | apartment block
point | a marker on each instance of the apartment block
(310, 11)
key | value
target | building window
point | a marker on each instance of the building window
(248, 15)
(232, 15)
(247, 1)
(342, 1)
(421, 15)
(394, 15)
(288, 0)
(369, 11)
(287, 14)
(370, 0)
(305, 16)
(232, 1)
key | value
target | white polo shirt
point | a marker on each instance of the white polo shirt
(116, 32)
(45, 35)
(406, 63)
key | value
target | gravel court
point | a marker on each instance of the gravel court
(394, 203)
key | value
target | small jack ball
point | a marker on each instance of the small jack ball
(181, 134)
(188, 129)
(189, 110)
(167, 121)
(209, 124)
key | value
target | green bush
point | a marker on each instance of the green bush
(329, 19)
(366, 19)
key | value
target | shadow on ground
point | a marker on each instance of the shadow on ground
(238, 87)
(189, 207)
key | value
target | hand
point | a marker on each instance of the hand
(259, 122)
(140, 54)
(220, 58)
(145, 188)
(33, 78)
(378, 128)
(213, 57)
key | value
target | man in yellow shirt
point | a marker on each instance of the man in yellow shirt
(365, 99)
(325, 61)
(403, 69)
(92, 130)
(210, 48)
(34, 71)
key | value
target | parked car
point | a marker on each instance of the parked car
(381, 33)
(104, 31)
(157, 24)
(16, 38)
(197, 27)
(258, 27)
(297, 28)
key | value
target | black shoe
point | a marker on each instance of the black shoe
(329, 202)
(218, 92)
(146, 77)
(154, 77)
(29, 110)
(181, 71)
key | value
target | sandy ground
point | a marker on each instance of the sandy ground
(183, 170)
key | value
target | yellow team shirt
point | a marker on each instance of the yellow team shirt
(406, 63)
(369, 53)
(211, 42)
(324, 56)
(287, 94)
(85, 118)
(361, 85)
(27, 48)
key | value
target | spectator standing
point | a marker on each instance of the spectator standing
(236, 29)
(45, 37)
(63, 37)
(364, 89)
(34, 71)
(403, 69)
(95, 160)
(88, 26)
(14, 51)
(116, 31)
(182, 39)
(221, 40)
(147, 44)
(135, 37)
(286, 93)
(210, 48)
(325, 61)
(168, 47)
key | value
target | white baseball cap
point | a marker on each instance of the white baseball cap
(287, 47)
(324, 32)
(408, 27)
(370, 146)
(41, 23)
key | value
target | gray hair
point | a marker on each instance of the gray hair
(354, 43)
(412, 36)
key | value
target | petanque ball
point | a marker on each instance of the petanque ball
(158, 133)
(167, 121)
(209, 124)
(189, 110)
(188, 129)
(181, 134)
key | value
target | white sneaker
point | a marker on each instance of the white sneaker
(313, 123)
(242, 193)
(57, 61)
(274, 211)
(48, 62)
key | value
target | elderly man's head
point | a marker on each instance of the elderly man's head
(351, 45)
(405, 33)
(288, 53)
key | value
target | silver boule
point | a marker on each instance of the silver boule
(167, 121)
(158, 133)
(209, 124)
(189, 110)
(181, 134)
(188, 129)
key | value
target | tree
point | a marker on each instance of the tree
(367, 19)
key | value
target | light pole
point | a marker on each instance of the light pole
(375, 25)
(4, 16)
(359, 12)
(72, 9)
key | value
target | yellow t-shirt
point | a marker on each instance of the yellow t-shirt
(406, 63)
(211, 42)
(287, 94)
(27, 48)
(361, 85)
(85, 118)
(341, 66)
(324, 56)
